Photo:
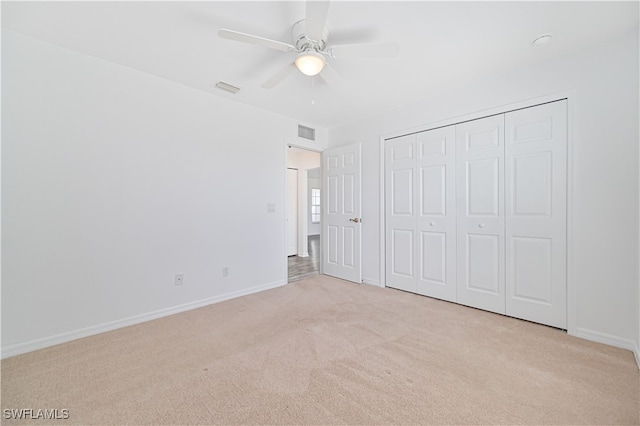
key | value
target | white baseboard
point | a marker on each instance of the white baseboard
(608, 339)
(32, 345)
(371, 281)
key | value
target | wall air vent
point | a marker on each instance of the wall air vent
(227, 87)
(306, 132)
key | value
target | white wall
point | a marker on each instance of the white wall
(605, 188)
(113, 181)
(303, 159)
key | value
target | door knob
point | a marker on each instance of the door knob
(356, 220)
(431, 223)
(481, 225)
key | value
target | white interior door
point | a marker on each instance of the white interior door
(536, 212)
(436, 218)
(341, 215)
(481, 219)
(292, 212)
(400, 164)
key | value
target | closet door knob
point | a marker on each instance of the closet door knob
(481, 225)
(431, 223)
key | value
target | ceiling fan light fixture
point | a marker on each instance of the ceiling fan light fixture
(310, 63)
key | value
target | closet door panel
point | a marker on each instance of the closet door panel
(436, 218)
(433, 190)
(482, 262)
(536, 210)
(480, 207)
(400, 210)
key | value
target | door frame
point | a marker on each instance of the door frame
(285, 155)
(287, 215)
(571, 97)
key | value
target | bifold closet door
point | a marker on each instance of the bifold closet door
(400, 160)
(420, 212)
(536, 211)
(436, 218)
(481, 219)
(476, 213)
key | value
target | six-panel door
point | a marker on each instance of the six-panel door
(400, 178)
(341, 216)
(480, 206)
(536, 211)
(436, 217)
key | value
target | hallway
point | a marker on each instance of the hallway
(305, 267)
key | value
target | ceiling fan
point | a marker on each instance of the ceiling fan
(310, 43)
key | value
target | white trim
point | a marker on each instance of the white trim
(383, 218)
(607, 339)
(322, 204)
(566, 94)
(571, 97)
(572, 293)
(32, 345)
(300, 144)
(284, 199)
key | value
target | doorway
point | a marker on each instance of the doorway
(303, 213)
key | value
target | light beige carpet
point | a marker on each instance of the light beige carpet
(324, 351)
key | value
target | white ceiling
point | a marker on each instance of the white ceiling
(442, 45)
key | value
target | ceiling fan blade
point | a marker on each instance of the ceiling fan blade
(374, 50)
(333, 79)
(316, 19)
(278, 76)
(260, 41)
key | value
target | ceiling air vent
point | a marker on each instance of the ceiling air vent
(306, 132)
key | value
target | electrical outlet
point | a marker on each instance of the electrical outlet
(225, 271)
(179, 279)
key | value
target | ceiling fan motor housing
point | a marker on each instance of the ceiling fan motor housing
(303, 43)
